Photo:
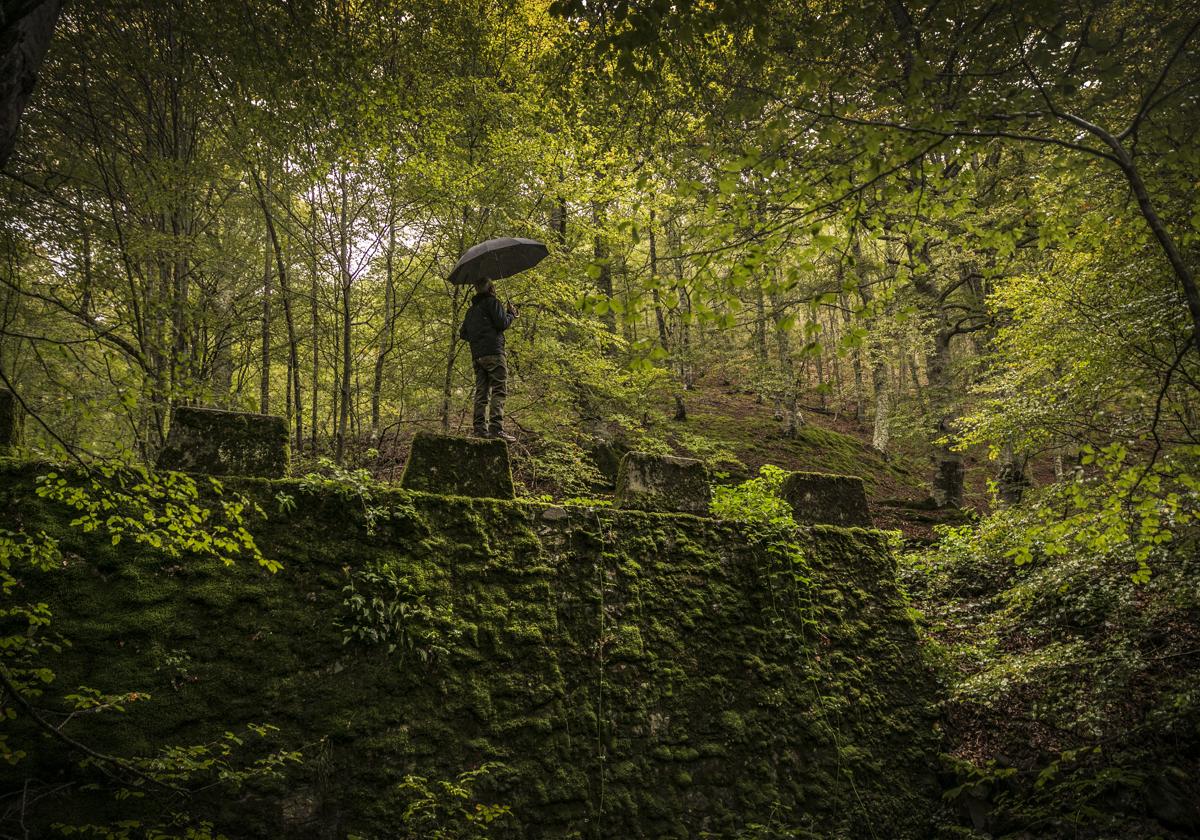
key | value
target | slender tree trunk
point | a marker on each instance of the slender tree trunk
(347, 323)
(856, 366)
(600, 254)
(314, 338)
(659, 318)
(881, 436)
(335, 367)
(296, 402)
(914, 372)
(628, 325)
(948, 476)
(264, 402)
(387, 340)
(451, 356)
(181, 362)
(558, 220)
(760, 326)
(819, 363)
(881, 432)
(456, 297)
(684, 350)
(783, 346)
(1011, 479)
(293, 402)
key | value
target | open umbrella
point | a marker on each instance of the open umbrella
(497, 258)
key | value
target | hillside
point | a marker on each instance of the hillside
(897, 485)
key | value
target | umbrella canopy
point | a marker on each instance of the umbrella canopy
(497, 258)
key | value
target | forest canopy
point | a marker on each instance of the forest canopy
(967, 224)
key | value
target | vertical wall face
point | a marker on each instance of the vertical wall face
(215, 442)
(631, 674)
(9, 421)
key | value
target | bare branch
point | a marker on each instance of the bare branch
(1148, 101)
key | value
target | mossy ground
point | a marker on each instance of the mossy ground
(635, 674)
(757, 439)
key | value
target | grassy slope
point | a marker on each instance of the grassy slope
(826, 443)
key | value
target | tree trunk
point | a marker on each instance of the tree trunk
(347, 323)
(659, 317)
(600, 254)
(789, 398)
(1011, 480)
(451, 356)
(24, 41)
(881, 433)
(948, 474)
(760, 326)
(264, 402)
(315, 335)
(456, 298)
(558, 220)
(818, 348)
(856, 365)
(684, 350)
(293, 403)
(881, 436)
(387, 340)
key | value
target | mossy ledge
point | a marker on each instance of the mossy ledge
(635, 674)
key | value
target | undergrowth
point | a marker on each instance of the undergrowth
(1067, 635)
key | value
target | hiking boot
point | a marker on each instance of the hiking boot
(480, 433)
(504, 436)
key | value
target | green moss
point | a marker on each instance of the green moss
(662, 483)
(458, 466)
(817, 498)
(655, 675)
(205, 440)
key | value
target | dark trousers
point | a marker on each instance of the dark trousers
(491, 378)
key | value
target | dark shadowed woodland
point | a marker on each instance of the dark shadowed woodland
(855, 490)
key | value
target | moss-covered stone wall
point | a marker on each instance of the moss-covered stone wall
(633, 674)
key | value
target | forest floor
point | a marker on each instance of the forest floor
(738, 433)
(832, 441)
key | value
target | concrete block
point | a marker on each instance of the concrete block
(215, 442)
(819, 499)
(459, 466)
(662, 483)
(10, 421)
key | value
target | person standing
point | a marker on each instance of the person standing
(483, 328)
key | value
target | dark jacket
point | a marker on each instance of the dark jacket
(484, 325)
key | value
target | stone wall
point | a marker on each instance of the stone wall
(662, 483)
(632, 674)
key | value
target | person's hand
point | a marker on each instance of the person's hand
(512, 310)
